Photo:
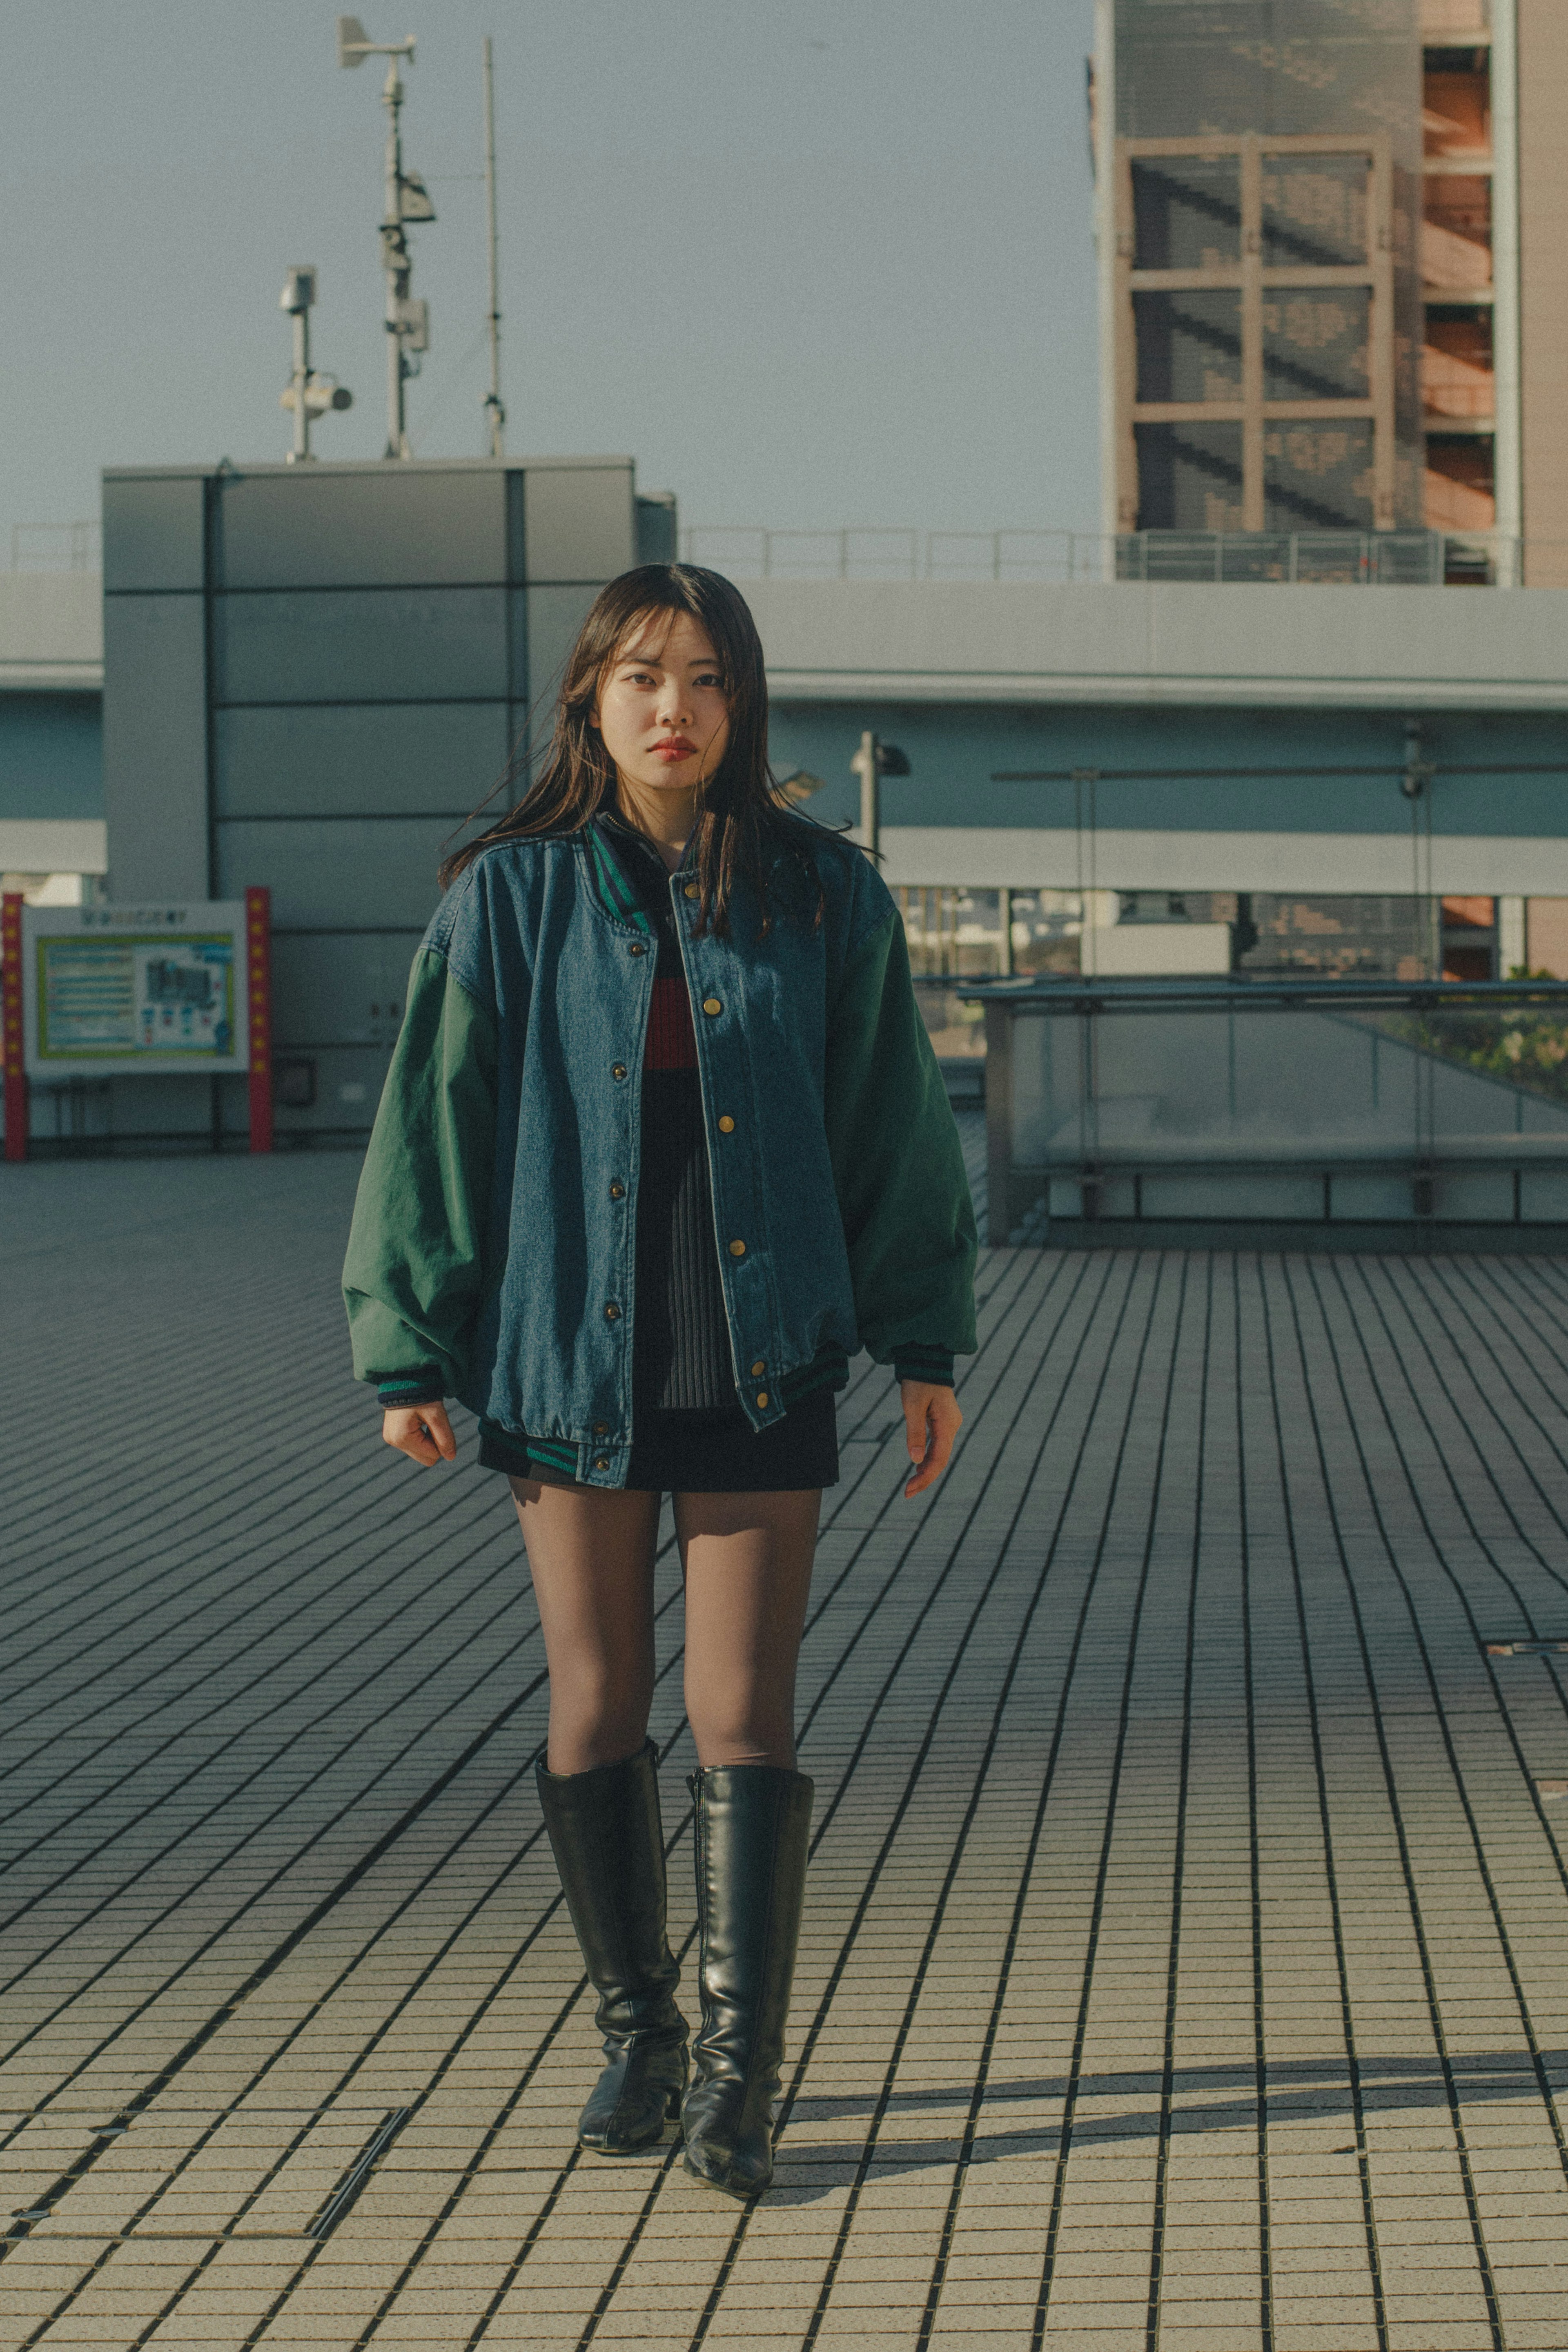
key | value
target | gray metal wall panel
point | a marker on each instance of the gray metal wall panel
(323, 529)
(555, 616)
(152, 534)
(374, 645)
(518, 644)
(332, 874)
(349, 1082)
(155, 747)
(343, 991)
(657, 537)
(367, 759)
(1385, 1200)
(579, 522)
(170, 1107)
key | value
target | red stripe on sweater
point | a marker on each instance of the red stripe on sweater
(672, 1041)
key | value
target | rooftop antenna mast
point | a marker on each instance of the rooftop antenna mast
(308, 394)
(494, 409)
(407, 199)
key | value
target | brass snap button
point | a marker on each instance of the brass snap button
(639, 947)
(618, 1191)
(711, 1004)
(618, 1070)
(727, 1125)
(737, 1249)
(601, 1429)
(602, 1461)
(762, 1399)
(757, 1368)
(692, 891)
(613, 1312)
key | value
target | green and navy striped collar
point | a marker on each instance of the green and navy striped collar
(616, 895)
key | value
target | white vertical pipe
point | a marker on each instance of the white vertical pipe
(393, 261)
(1508, 453)
(494, 410)
(1105, 249)
(302, 449)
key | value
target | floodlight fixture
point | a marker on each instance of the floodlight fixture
(306, 393)
(407, 322)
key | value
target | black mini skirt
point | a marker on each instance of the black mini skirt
(700, 1452)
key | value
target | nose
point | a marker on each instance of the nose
(675, 704)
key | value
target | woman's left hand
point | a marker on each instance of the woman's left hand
(931, 1420)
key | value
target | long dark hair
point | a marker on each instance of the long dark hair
(743, 823)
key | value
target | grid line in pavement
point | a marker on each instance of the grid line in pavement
(1182, 1965)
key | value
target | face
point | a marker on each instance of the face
(660, 707)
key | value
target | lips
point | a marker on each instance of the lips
(674, 748)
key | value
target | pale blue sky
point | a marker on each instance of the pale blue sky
(812, 263)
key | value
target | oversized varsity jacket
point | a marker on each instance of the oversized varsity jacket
(493, 1251)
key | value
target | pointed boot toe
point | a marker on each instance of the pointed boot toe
(638, 2094)
(725, 2149)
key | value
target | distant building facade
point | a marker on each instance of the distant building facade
(1334, 273)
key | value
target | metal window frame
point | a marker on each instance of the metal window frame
(1249, 275)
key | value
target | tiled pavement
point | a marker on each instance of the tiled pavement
(1185, 1952)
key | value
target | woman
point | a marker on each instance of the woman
(663, 1142)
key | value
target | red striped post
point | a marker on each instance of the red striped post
(258, 1012)
(11, 1020)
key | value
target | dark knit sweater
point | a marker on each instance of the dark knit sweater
(680, 1347)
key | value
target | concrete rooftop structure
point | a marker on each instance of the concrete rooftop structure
(1162, 641)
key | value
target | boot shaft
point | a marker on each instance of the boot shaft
(753, 1829)
(608, 1841)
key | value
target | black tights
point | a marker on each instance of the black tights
(747, 1565)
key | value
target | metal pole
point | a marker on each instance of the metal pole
(866, 764)
(302, 450)
(494, 408)
(395, 260)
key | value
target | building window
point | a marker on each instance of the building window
(1458, 397)
(1257, 292)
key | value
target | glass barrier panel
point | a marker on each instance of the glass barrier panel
(1269, 1111)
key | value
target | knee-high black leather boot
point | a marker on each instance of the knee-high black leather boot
(609, 1848)
(753, 1826)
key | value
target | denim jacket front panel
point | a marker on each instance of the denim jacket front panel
(572, 985)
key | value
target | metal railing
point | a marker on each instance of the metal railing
(1336, 558)
(1385, 559)
(1021, 555)
(1330, 1112)
(56, 547)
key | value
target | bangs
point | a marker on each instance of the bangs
(649, 630)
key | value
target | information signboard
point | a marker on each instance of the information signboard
(109, 991)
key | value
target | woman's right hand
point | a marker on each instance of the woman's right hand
(422, 1432)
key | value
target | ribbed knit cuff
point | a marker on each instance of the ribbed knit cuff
(918, 1362)
(424, 1385)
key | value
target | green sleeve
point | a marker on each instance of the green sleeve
(414, 1275)
(898, 1167)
